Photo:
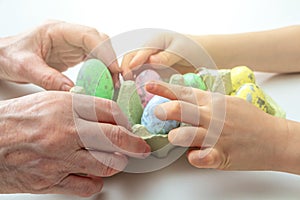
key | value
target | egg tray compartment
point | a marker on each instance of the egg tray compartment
(130, 103)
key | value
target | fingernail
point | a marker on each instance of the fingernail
(150, 86)
(66, 87)
(172, 136)
(204, 153)
(160, 112)
(147, 151)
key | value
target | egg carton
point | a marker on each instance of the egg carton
(94, 79)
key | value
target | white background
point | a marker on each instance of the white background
(180, 180)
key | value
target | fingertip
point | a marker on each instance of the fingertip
(150, 86)
(160, 112)
(127, 74)
(66, 88)
(115, 68)
(116, 81)
(172, 135)
(141, 57)
(138, 58)
(67, 84)
(146, 150)
(207, 158)
(51, 79)
(133, 63)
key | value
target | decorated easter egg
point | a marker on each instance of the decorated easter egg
(241, 75)
(152, 123)
(253, 94)
(194, 80)
(177, 79)
(96, 79)
(141, 80)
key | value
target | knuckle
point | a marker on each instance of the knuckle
(21, 69)
(175, 109)
(47, 81)
(41, 184)
(88, 190)
(114, 106)
(186, 92)
(103, 36)
(109, 166)
(95, 32)
(119, 138)
(164, 57)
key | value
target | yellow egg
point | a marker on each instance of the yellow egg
(241, 75)
(253, 94)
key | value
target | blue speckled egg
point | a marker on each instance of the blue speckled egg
(152, 123)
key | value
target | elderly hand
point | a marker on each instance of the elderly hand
(41, 55)
(249, 139)
(58, 142)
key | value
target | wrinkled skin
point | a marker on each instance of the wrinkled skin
(44, 140)
(39, 56)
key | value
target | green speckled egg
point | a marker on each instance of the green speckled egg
(96, 79)
(194, 80)
(241, 75)
(253, 94)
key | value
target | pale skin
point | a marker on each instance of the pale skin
(266, 51)
(55, 141)
(249, 140)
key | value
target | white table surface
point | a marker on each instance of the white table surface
(179, 180)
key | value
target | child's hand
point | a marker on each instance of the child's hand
(249, 139)
(169, 49)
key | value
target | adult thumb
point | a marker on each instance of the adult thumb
(49, 78)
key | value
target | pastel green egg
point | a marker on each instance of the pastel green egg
(194, 80)
(253, 94)
(96, 79)
(241, 75)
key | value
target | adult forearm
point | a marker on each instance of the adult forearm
(272, 51)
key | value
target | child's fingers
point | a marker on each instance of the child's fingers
(187, 136)
(141, 57)
(164, 58)
(183, 112)
(176, 92)
(206, 158)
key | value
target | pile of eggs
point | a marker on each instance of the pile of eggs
(95, 79)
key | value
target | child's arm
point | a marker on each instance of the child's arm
(270, 51)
